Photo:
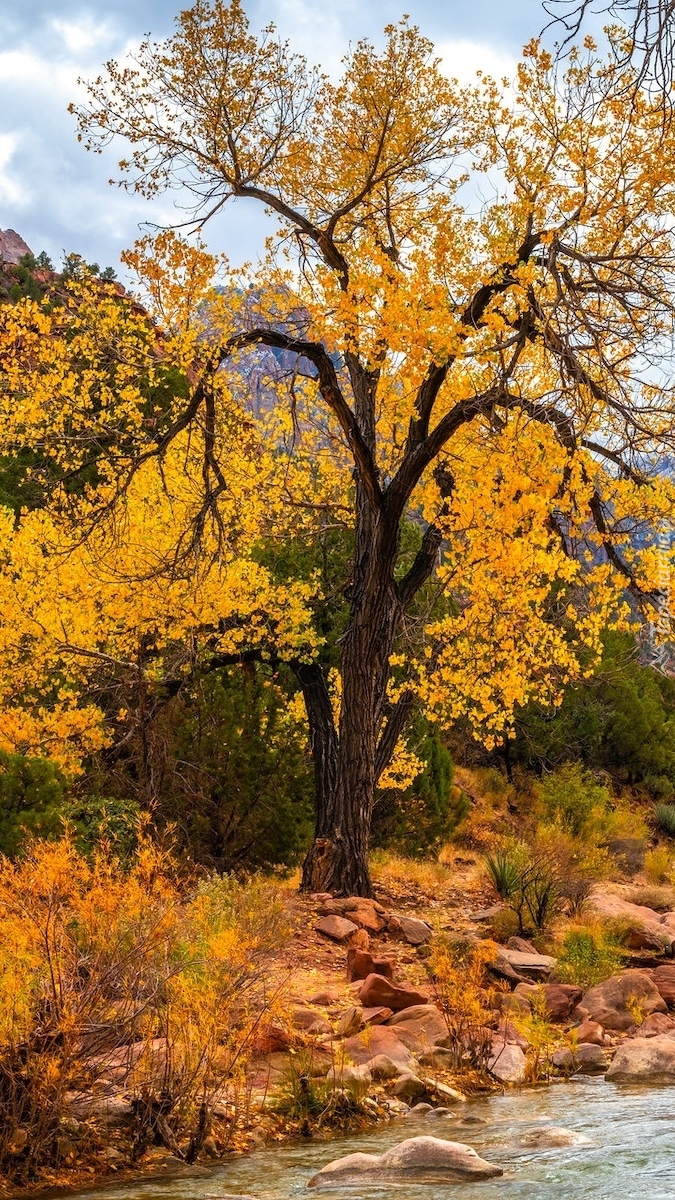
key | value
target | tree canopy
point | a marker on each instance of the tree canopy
(461, 326)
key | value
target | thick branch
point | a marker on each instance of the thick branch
(323, 735)
(422, 567)
(417, 459)
(389, 738)
(470, 320)
(331, 392)
(322, 238)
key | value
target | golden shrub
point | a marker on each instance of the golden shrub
(99, 959)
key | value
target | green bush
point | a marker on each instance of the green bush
(589, 954)
(572, 800)
(226, 766)
(504, 871)
(665, 819)
(32, 796)
(527, 880)
(110, 819)
(418, 820)
(621, 719)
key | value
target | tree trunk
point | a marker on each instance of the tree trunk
(338, 859)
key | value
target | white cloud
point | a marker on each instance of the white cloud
(462, 59)
(10, 190)
(82, 35)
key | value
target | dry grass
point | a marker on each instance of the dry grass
(491, 794)
(389, 868)
(661, 899)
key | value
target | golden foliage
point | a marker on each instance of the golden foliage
(105, 966)
(457, 970)
(483, 371)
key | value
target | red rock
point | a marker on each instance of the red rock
(376, 1016)
(531, 965)
(590, 1059)
(637, 915)
(421, 1027)
(579, 1015)
(377, 990)
(344, 906)
(336, 928)
(417, 1012)
(644, 939)
(521, 944)
(409, 1088)
(323, 999)
(612, 1003)
(508, 1002)
(657, 1024)
(664, 978)
(508, 1032)
(350, 1022)
(526, 990)
(560, 999)
(376, 1041)
(507, 1062)
(366, 917)
(644, 1060)
(360, 940)
(412, 930)
(271, 1039)
(12, 246)
(360, 965)
(382, 1067)
(590, 1033)
(302, 1018)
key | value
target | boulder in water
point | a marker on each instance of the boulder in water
(417, 1159)
(508, 1063)
(553, 1136)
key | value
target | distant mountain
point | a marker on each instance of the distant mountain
(12, 246)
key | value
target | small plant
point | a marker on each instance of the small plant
(505, 871)
(665, 819)
(527, 882)
(658, 865)
(661, 899)
(637, 1010)
(540, 893)
(311, 1101)
(590, 953)
(457, 970)
(541, 1034)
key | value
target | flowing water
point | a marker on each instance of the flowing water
(629, 1155)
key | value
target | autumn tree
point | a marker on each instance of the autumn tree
(485, 371)
(643, 36)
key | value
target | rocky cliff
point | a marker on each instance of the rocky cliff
(12, 246)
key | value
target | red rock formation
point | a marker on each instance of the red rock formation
(12, 247)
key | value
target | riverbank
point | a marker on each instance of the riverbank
(362, 1028)
(624, 1148)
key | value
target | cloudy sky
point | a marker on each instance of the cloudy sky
(57, 196)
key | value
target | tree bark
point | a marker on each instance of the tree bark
(338, 860)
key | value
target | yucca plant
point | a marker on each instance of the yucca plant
(504, 871)
(665, 819)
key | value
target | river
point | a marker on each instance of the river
(630, 1154)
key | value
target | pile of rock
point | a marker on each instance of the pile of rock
(341, 919)
(391, 1031)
